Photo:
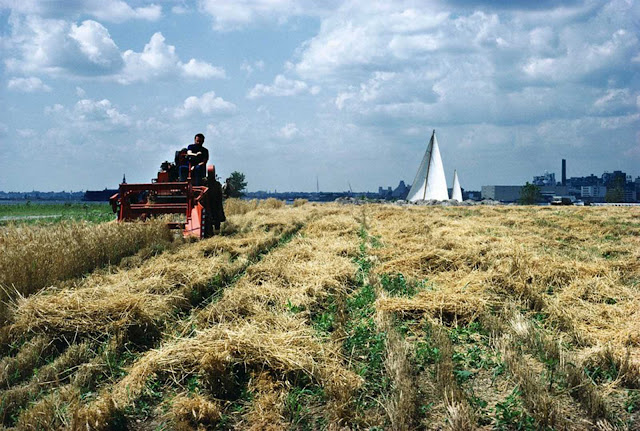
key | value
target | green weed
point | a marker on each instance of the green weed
(299, 407)
(397, 285)
(510, 415)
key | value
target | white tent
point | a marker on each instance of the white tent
(456, 192)
(430, 181)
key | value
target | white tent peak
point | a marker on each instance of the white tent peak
(456, 191)
(430, 181)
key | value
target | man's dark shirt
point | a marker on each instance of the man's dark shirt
(203, 157)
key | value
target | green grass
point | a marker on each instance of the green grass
(364, 344)
(38, 213)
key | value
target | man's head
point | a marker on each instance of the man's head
(198, 139)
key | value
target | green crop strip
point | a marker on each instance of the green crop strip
(364, 344)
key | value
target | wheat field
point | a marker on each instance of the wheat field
(326, 316)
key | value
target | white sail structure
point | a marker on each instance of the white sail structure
(430, 181)
(456, 191)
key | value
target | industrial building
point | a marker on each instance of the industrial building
(590, 189)
(501, 193)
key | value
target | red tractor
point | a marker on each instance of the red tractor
(198, 199)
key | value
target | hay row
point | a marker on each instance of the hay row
(141, 299)
(576, 267)
(49, 376)
(252, 326)
(132, 305)
(557, 257)
(289, 348)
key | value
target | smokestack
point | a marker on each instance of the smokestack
(564, 172)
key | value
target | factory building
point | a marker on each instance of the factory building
(501, 193)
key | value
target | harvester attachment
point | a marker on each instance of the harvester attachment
(197, 201)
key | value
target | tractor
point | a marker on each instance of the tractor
(175, 191)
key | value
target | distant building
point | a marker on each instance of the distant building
(401, 191)
(501, 193)
(99, 195)
(630, 194)
(548, 192)
(548, 179)
(474, 195)
(385, 193)
(593, 193)
(612, 179)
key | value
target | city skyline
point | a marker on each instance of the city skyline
(289, 91)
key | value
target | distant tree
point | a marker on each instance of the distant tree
(529, 194)
(236, 184)
(615, 194)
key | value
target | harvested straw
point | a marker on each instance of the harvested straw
(190, 412)
(32, 257)
(283, 348)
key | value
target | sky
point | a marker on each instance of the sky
(295, 93)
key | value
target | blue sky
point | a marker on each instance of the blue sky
(290, 90)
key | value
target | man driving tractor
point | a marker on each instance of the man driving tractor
(187, 187)
(196, 159)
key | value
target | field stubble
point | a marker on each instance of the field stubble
(325, 317)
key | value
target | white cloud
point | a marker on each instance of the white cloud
(206, 104)
(395, 64)
(179, 10)
(289, 131)
(615, 99)
(96, 44)
(581, 58)
(99, 110)
(80, 92)
(27, 133)
(118, 11)
(57, 47)
(113, 10)
(91, 115)
(160, 59)
(27, 85)
(234, 14)
(282, 86)
(200, 69)
(249, 68)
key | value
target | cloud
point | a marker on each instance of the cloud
(582, 58)
(249, 68)
(114, 10)
(235, 14)
(617, 101)
(27, 133)
(199, 69)
(281, 87)
(57, 47)
(394, 64)
(27, 85)
(96, 44)
(60, 48)
(179, 10)
(118, 11)
(289, 131)
(207, 104)
(88, 115)
(159, 59)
